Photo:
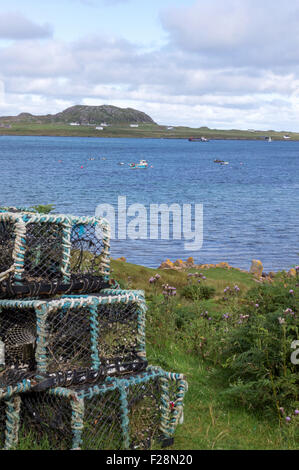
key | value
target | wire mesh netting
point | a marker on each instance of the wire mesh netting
(18, 333)
(119, 414)
(72, 333)
(44, 255)
(120, 339)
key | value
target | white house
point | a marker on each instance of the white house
(134, 125)
(99, 128)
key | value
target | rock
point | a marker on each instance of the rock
(223, 265)
(179, 263)
(292, 272)
(167, 265)
(256, 268)
(190, 262)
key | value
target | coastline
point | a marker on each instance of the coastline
(144, 131)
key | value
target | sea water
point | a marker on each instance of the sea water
(250, 206)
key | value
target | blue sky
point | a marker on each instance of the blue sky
(222, 64)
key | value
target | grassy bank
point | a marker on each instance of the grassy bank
(230, 403)
(143, 131)
(181, 338)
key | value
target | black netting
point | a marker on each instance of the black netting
(47, 269)
(18, 333)
(68, 336)
(47, 418)
(43, 255)
(7, 242)
(102, 423)
(144, 401)
(118, 332)
(86, 252)
(45, 422)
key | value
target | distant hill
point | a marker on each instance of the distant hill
(85, 115)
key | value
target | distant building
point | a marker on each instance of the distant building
(134, 125)
(104, 124)
(170, 128)
(99, 128)
(74, 124)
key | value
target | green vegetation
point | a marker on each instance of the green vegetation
(144, 130)
(118, 125)
(232, 348)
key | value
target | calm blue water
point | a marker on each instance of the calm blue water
(251, 210)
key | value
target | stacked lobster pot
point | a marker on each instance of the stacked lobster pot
(73, 368)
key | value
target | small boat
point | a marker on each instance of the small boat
(120, 163)
(198, 139)
(141, 164)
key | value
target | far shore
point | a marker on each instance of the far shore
(145, 131)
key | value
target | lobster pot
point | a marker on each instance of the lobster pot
(74, 333)
(44, 255)
(134, 412)
(49, 336)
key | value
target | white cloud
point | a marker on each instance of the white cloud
(212, 72)
(252, 32)
(15, 26)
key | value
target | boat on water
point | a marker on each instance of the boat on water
(142, 164)
(198, 139)
(222, 162)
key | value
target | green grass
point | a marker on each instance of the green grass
(143, 131)
(211, 420)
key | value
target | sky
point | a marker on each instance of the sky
(226, 64)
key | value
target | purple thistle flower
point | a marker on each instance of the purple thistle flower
(152, 280)
(296, 412)
(288, 419)
(291, 291)
(281, 410)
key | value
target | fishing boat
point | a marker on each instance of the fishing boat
(142, 164)
(222, 162)
(198, 139)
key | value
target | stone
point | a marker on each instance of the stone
(223, 265)
(256, 268)
(167, 265)
(292, 272)
(179, 263)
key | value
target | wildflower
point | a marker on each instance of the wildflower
(237, 288)
(291, 291)
(289, 311)
(152, 280)
(257, 305)
(281, 410)
(296, 412)
(281, 320)
(157, 276)
(288, 419)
